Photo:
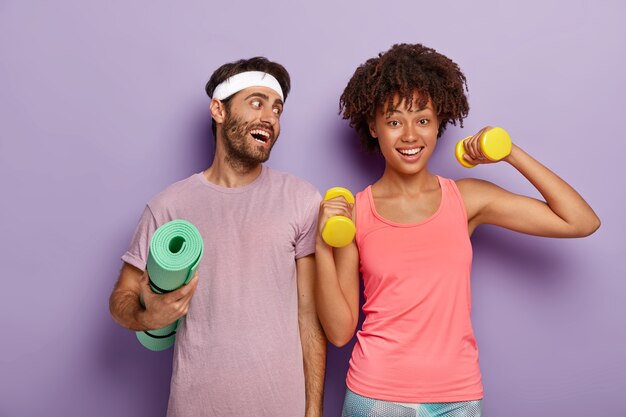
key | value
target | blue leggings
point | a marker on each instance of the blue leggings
(356, 405)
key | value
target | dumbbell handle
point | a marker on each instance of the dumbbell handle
(495, 144)
(339, 230)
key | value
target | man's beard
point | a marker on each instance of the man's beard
(240, 153)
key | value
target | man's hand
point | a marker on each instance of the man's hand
(157, 311)
(161, 310)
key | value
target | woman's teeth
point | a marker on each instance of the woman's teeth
(409, 152)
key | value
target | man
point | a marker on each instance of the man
(249, 342)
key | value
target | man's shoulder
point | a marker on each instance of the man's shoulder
(292, 182)
(174, 192)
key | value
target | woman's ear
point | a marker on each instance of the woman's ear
(218, 111)
(372, 127)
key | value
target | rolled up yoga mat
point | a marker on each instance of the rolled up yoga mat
(175, 252)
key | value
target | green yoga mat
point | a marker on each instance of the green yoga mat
(175, 252)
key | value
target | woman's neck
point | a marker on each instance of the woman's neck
(394, 183)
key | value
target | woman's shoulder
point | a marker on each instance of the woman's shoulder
(477, 193)
(472, 185)
(363, 193)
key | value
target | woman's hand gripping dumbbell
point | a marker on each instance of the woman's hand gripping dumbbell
(338, 230)
(490, 144)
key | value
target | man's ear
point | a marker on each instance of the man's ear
(218, 110)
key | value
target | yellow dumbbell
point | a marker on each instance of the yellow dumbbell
(339, 230)
(495, 144)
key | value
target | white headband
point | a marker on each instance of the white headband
(246, 79)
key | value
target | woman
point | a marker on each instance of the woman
(416, 354)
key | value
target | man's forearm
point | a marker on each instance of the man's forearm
(125, 309)
(314, 353)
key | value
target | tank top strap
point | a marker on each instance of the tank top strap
(451, 197)
(365, 217)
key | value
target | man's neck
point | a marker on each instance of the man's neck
(231, 175)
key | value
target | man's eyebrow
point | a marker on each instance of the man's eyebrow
(264, 97)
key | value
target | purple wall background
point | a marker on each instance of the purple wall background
(102, 105)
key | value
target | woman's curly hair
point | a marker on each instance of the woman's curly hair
(403, 70)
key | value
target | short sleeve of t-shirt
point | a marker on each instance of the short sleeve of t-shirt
(137, 254)
(305, 243)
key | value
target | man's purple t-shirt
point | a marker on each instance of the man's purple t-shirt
(238, 349)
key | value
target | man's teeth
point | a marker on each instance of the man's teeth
(262, 133)
(414, 151)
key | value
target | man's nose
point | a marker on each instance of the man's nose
(269, 116)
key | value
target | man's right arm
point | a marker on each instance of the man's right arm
(157, 311)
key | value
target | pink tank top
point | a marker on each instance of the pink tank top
(416, 344)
